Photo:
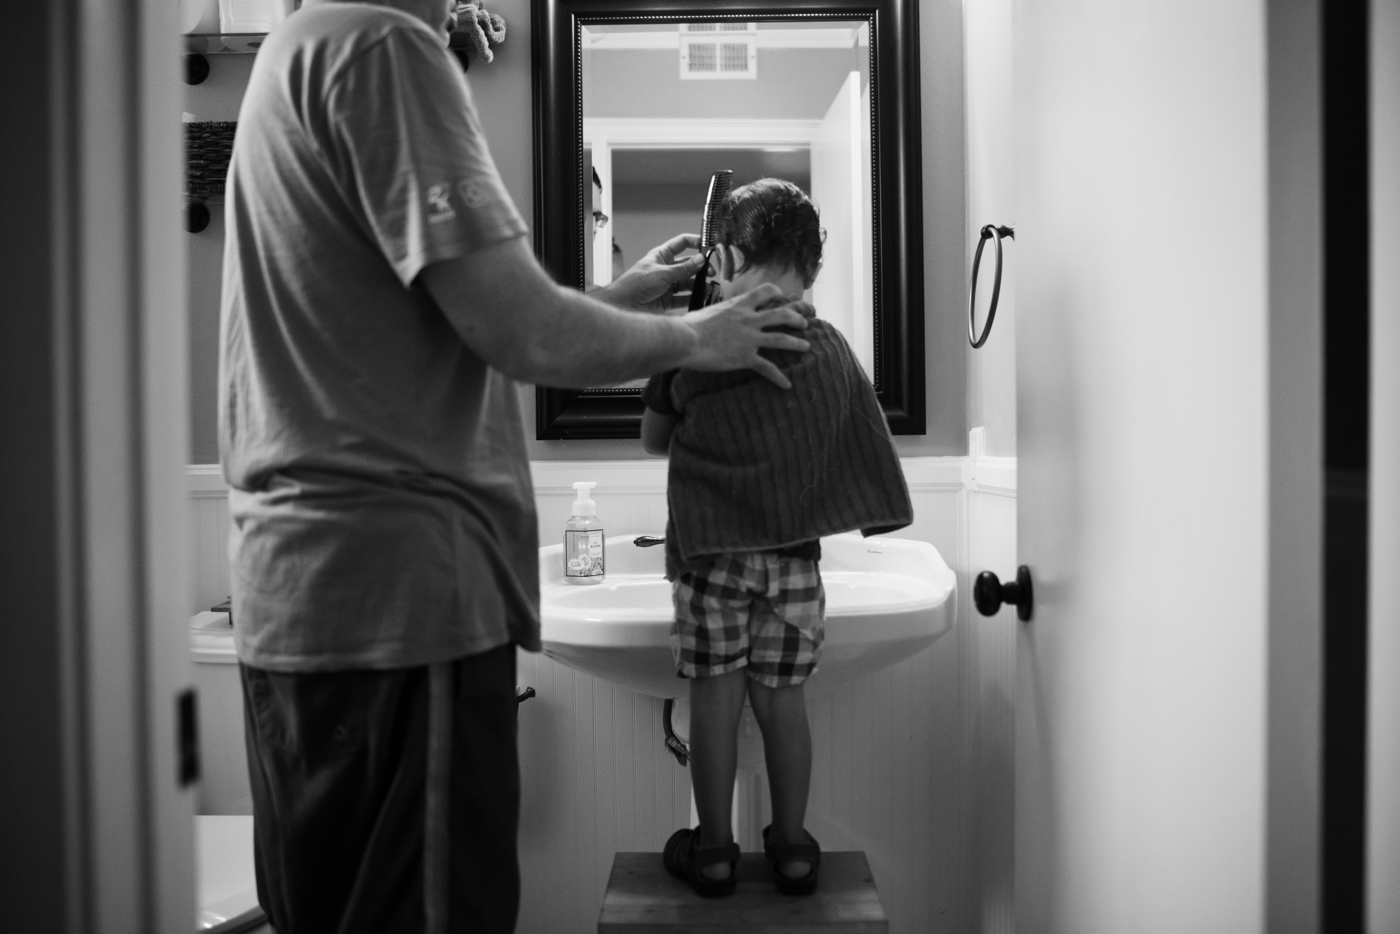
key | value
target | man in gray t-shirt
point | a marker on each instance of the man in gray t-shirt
(379, 303)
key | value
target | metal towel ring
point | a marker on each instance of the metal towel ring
(989, 232)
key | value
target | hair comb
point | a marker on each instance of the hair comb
(709, 234)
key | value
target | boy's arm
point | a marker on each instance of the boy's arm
(660, 417)
(656, 431)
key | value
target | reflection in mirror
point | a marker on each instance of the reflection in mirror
(665, 104)
(824, 93)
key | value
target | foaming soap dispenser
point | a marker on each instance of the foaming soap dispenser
(583, 539)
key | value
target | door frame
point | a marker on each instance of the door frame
(93, 350)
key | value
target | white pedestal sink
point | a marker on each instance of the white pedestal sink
(886, 600)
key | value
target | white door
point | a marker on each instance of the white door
(841, 189)
(1159, 312)
(1383, 713)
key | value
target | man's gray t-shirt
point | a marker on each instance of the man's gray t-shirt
(382, 509)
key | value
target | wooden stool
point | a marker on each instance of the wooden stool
(643, 898)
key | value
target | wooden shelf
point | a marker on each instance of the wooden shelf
(246, 43)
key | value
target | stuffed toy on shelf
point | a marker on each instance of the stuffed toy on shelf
(481, 29)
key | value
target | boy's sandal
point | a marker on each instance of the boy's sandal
(779, 853)
(684, 858)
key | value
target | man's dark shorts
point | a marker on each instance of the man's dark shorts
(386, 800)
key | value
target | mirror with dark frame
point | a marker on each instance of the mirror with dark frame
(637, 103)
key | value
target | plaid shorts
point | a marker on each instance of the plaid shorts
(755, 610)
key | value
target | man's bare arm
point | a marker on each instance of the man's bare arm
(649, 284)
(519, 321)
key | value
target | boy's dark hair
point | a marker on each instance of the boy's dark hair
(773, 220)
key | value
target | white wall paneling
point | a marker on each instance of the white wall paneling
(911, 765)
(208, 535)
(595, 780)
(988, 662)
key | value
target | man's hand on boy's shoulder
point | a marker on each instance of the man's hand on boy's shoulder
(730, 335)
(805, 310)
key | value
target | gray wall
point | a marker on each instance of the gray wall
(502, 93)
(217, 98)
(991, 377)
(945, 248)
(645, 215)
(796, 84)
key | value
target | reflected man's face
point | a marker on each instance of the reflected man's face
(600, 220)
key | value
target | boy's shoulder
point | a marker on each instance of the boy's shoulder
(666, 391)
(829, 354)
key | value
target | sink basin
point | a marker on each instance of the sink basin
(886, 599)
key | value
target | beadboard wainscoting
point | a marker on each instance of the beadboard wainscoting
(987, 669)
(912, 765)
(208, 517)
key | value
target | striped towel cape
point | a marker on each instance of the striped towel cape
(754, 467)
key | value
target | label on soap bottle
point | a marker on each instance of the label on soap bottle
(583, 553)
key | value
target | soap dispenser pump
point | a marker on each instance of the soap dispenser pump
(583, 539)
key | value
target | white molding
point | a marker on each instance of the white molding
(986, 474)
(205, 481)
(829, 38)
(923, 474)
(697, 133)
(933, 474)
(996, 475)
(554, 478)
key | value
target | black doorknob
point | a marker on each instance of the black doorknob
(989, 593)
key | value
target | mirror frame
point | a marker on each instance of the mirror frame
(896, 188)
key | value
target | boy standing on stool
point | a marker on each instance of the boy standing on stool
(756, 477)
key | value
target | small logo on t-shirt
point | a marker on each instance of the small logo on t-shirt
(441, 208)
(474, 192)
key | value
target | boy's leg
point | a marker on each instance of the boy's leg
(787, 750)
(716, 701)
(784, 651)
